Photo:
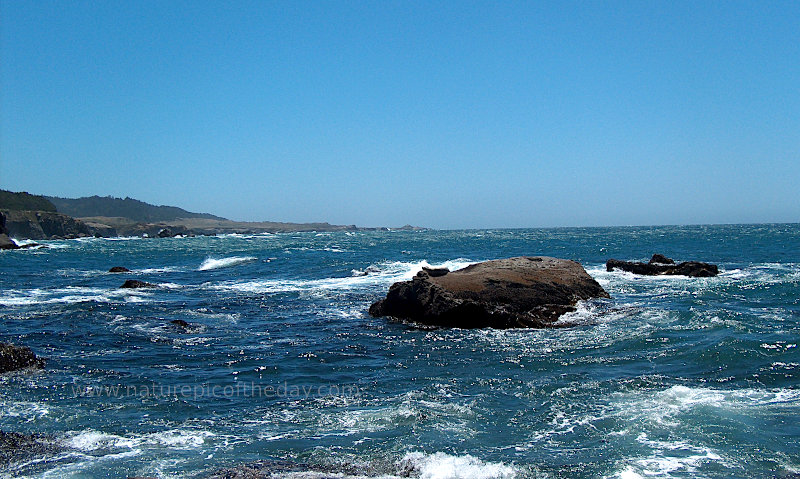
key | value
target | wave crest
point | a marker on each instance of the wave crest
(217, 263)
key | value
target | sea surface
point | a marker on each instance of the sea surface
(673, 377)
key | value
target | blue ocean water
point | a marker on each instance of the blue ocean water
(673, 377)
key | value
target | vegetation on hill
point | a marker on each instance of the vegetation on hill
(126, 208)
(24, 201)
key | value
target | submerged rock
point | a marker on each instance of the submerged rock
(135, 283)
(661, 265)
(180, 323)
(14, 357)
(522, 292)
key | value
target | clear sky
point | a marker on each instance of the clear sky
(453, 114)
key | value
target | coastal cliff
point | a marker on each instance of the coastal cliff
(41, 225)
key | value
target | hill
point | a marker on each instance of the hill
(136, 210)
(24, 201)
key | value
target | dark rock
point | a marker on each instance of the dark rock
(657, 266)
(135, 283)
(15, 446)
(119, 269)
(173, 231)
(435, 272)
(180, 323)
(14, 357)
(661, 259)
(522, 292)
(6, 243)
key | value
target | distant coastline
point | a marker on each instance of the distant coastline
(36, 217)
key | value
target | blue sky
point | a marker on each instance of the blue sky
(440, 114)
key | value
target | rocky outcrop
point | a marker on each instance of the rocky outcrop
(173, 231)
(99, 230)
(661, 265)
(6, 243)
(135, 283)
(13, 358)
(119, 269)
(40, 225)
(522, 292)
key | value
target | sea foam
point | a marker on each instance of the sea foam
(444, 466)
(217, 263)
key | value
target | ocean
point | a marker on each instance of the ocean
(280, 365)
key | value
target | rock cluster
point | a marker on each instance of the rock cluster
(661, 265)
(522, 292)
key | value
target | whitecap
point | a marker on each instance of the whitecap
(216, 263)
(378, 274)
(445, 466)
(70, 295)
(92, 440)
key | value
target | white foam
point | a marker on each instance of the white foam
(182, 439)
(444, 466)
(384, 273)
(165, 269)
(217, 263)
(24, 410)
(668, 458)
(70, 295)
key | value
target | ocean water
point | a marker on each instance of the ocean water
(673, 377)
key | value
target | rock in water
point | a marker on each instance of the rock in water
(7, 243)
(16, 446)
(119, 269)
(661, 265)
(661, 259)
(18, 357)
(135, 283)
(522, 292)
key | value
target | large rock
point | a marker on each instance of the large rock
(523, 292)
(661, 265)
(14, 357)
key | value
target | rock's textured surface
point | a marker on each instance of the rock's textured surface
(522, 292)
